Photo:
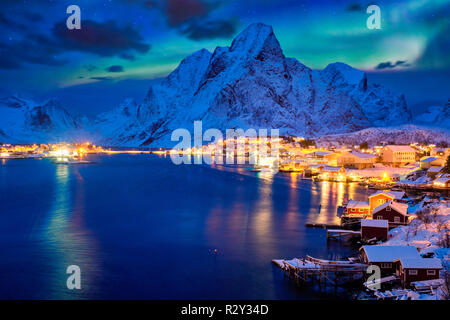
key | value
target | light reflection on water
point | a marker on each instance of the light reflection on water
(324, 196)
(292, 216)
(141, 227)
(66, 239)
(263, 210)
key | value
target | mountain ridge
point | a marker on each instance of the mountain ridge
(250, 84)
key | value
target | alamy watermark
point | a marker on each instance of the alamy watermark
(74, 280)
(74, 20)
(374, 280)
(374, 20)
(238, 146)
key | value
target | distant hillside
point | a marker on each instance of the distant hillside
(436, 116)
(399, 135)
(24, 121)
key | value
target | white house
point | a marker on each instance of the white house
(398, 155)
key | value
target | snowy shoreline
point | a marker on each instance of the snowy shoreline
(429, 232)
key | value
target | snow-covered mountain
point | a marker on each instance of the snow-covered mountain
(404, 134)
(24, 121)
(437, 116)
(251, 84)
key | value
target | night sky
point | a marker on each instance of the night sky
(125, 45)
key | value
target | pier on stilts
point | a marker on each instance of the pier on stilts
(309, 270)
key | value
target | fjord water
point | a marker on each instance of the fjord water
(140, 227)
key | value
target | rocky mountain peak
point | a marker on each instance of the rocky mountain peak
(251, 84)
(340, 73)
(257, 40)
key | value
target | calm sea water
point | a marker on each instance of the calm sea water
(141, 227)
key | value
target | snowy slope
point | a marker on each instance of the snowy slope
(437, 116)
(251, 84)
(24, 121)
(404, 134)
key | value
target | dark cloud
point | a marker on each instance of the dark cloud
(181, 11)
(104, 39)
(355, 7)
(199, 30)
(101, 78)
(192, 18)
(10, 24)
(115, 68)
(34, 49)
(22, 21)
(32, 16)
(390, 65)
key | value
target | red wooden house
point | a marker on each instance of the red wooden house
(386, 257)
(418, 269)
(394, 212)
(333, 173)
(380, 197)
(356, 209)
(374, 229)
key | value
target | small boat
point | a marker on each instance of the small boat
(71, 161)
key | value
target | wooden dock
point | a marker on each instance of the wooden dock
(322, 271)
(322, 225)
(338, 234)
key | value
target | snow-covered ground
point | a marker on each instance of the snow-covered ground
(378, 171)
(429, 232)
(404, 134)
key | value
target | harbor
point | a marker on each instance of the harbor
(313, 217)
(224, 240)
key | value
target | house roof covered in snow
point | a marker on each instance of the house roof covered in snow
(435, 169)
(429, 159)
(443, 179)
(397, 195)
(363, 155)
(332, 169)
(421, 263)
(323, 153)
(374, 223)
(396, 148)
(390, 253)
(399, 207)
(318, 165)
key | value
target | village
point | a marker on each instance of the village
(59, 153)
(408, 245)
(403, 227)
(415, 166)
